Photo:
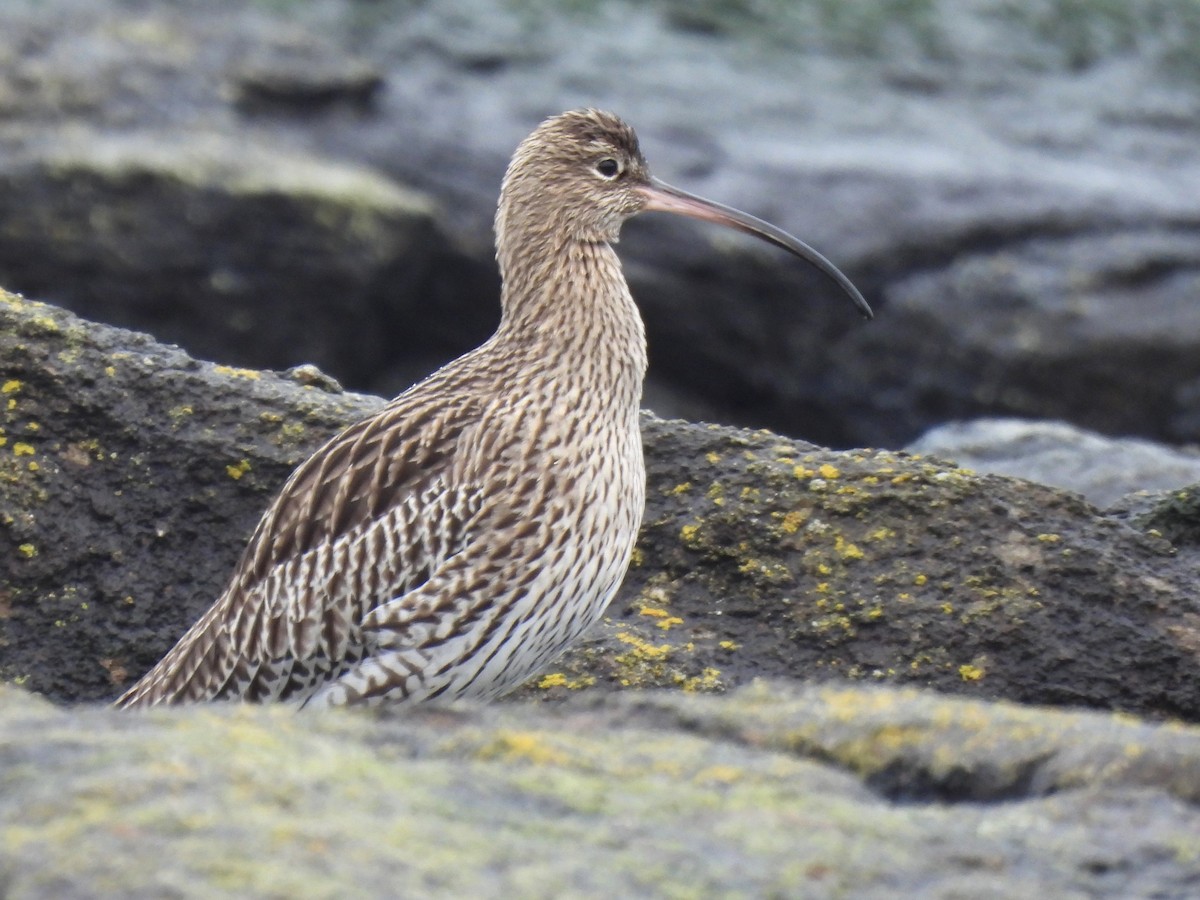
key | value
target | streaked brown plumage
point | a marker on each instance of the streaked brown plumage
(455, 542)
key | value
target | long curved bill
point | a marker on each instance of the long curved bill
(664, 198)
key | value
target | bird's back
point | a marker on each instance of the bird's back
(449, 545)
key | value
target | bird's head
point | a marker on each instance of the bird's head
(581, 174)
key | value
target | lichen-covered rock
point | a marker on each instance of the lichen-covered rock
(241, 249)
(131, 475)
(767, 792)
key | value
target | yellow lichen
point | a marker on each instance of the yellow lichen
(920, 580)
(728, 645)
(22, 449)
(708, 680)
(791, 521)
(719, 774)
(688, 533)
(846, 549)
(681, 488)
(10, 387)
(523, 746)
(970, 672)
(642, 648)
(713, 457)
(829, 472)
(559, 679)
(29, 551)
(237, 373)
(1049, 538)
(238, 470)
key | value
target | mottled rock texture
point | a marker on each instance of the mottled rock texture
(132, 475)
(821, 792)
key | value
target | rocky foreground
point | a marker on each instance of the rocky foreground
(130, 474)
(768, 791)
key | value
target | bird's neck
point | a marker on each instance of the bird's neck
(571, 306)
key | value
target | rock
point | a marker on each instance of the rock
(132, 475)
(1012, 187)
(771, 791)
(1100, 331)
(1102, 469)
(1175, 515)
(305, 82)
(247, 252)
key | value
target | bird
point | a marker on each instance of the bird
(455, 542)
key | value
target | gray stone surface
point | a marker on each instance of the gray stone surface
(1011, 183)
(131, 474)
(822, 792)
(1103, 469)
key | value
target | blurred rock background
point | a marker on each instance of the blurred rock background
(1012, 183)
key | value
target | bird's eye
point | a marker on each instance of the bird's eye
(608, 168)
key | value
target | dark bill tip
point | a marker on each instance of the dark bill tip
(662, 197)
